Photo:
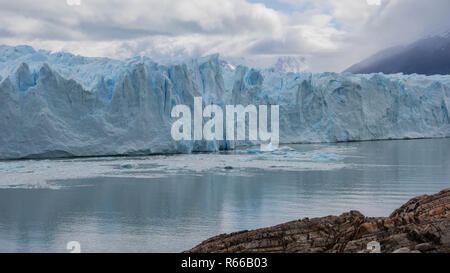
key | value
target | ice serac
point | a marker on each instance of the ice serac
(58, 104)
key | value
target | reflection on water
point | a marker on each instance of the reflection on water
(171, 213)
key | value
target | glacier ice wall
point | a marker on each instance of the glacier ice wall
(59, 104)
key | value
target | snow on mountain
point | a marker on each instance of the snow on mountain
(428, 56)
(291, 64)
(58, 104)
(284, 64)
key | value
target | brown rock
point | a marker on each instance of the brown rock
(423, 247)
(402, 250)
(368, 227)
(422, 224)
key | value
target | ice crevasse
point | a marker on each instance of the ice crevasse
(59, 104)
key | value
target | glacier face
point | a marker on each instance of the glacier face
(58, 104)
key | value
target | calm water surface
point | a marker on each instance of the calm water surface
(172, 203)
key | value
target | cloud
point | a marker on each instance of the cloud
(332, 34)
(98, 19)
(73, 2)
(374, 2)
(369, 26)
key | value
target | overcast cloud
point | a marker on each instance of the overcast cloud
(331, 34)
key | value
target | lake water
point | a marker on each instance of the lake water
(172, 203)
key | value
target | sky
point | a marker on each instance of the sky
(330, 34)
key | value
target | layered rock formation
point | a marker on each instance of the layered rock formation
(420, 225)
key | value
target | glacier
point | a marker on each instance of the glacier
(64, 105)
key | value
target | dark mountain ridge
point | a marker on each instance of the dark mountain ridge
(428, 56)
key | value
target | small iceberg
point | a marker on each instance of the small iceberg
(325, 157)
(128, 165)
(269, 148)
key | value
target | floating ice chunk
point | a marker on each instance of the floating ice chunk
(286, 149)
(268, 147)
(129, 165)
(254, 151)
(326, 157)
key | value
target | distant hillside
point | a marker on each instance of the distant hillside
(427, 56)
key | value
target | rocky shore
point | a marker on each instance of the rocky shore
(422, 225)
